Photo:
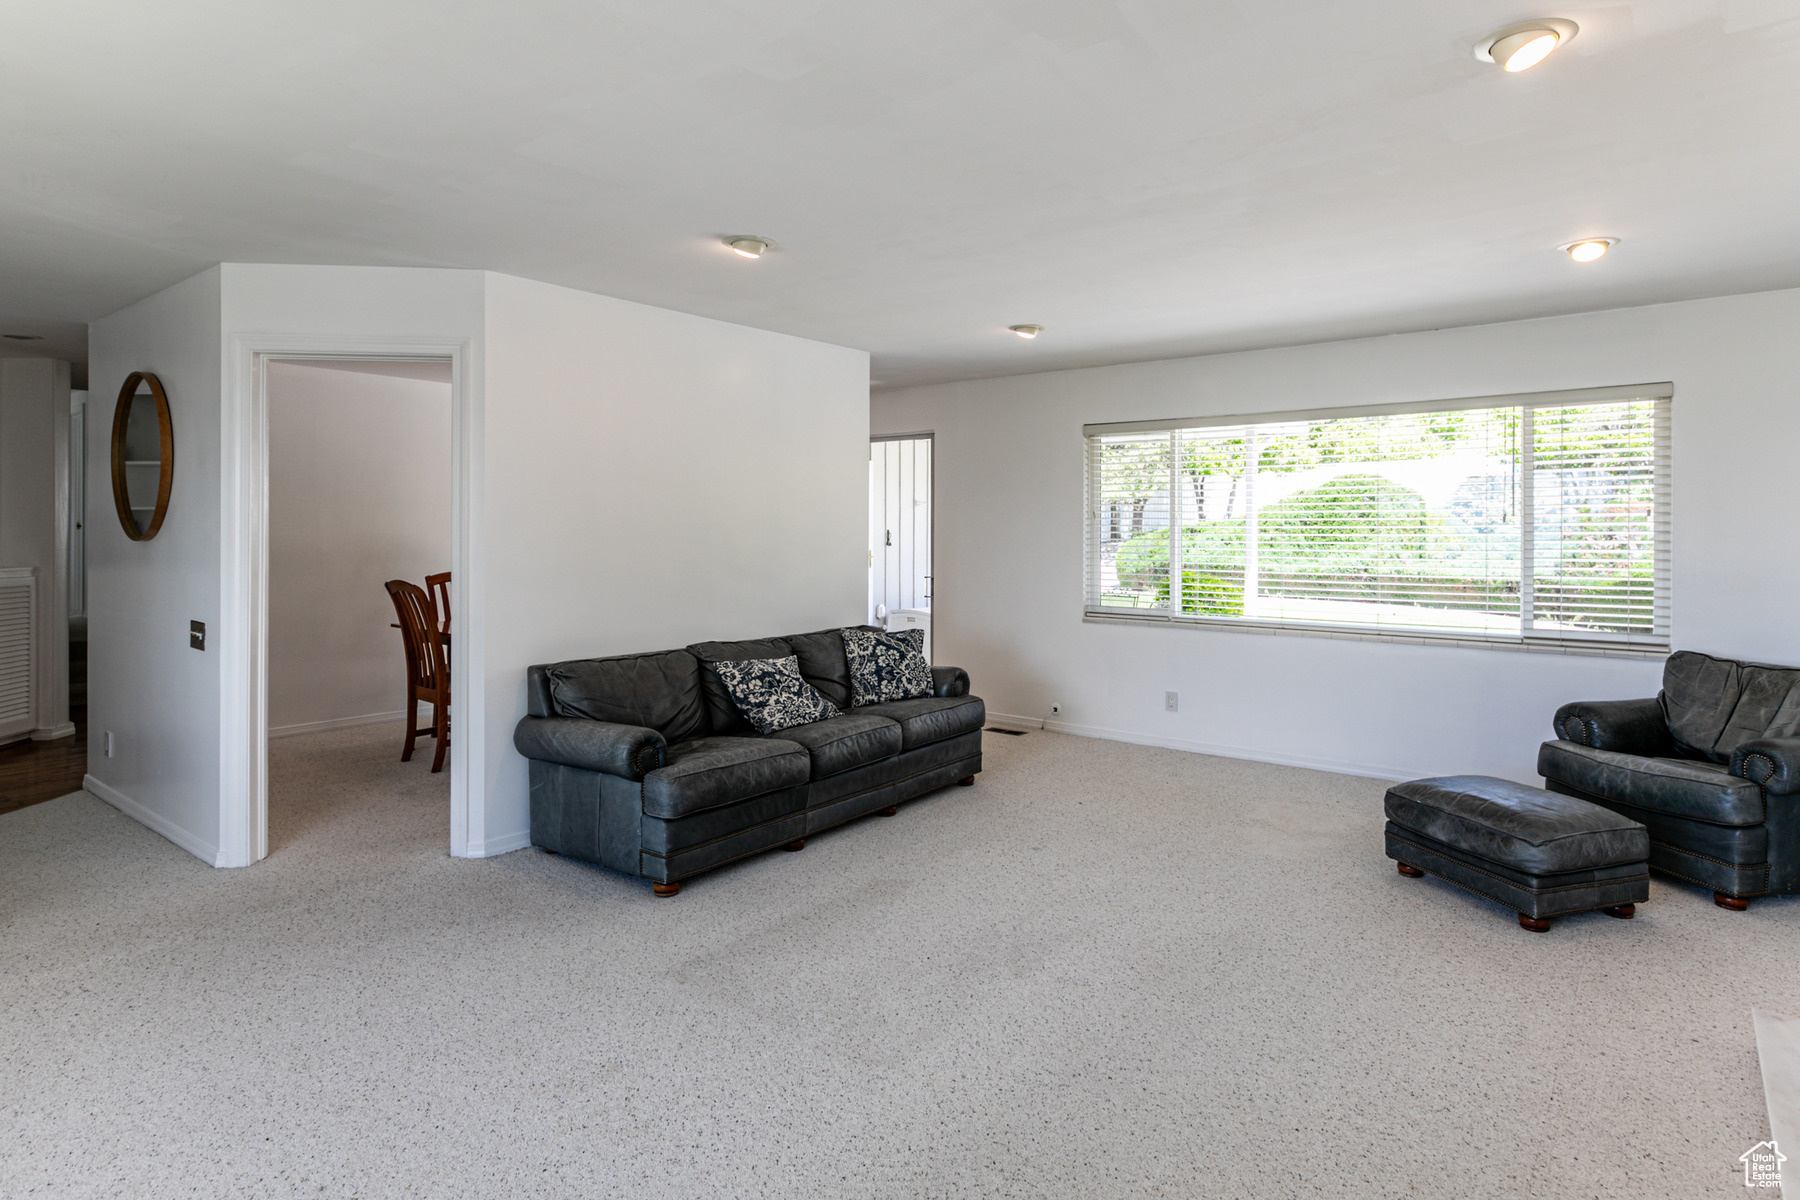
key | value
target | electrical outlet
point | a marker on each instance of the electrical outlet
(1172, 701)
(109, 743)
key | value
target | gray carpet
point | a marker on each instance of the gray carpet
(1104, 971)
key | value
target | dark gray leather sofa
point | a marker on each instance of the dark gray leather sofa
(1711, 766)
(642, 763)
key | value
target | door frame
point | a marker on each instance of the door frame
(243, 635)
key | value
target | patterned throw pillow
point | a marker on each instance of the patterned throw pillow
(772, 695)
(886, 666)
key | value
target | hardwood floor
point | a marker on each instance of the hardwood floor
(32, 772)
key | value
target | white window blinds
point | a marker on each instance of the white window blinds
(1536, 519)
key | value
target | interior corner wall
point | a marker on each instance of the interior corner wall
(1007, 591)
(157, 698)
(359, 493)
(654, 479)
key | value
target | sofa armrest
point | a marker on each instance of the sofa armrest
(628, 751)
(949, 681)
(1772, 762)
(1623, 726)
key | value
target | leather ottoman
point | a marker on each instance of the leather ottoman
(1539, 853)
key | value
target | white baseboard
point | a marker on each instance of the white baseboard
(281, 731)
(50, 733)
(1339, 766)
(504, 844)
(195, 845)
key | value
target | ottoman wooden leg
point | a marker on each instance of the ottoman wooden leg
(967, 781)
(1409, 871)
(889, 811)
(796, 844)
(1731, 902)
(665, 889)
(1535, 924)
(1622, 911)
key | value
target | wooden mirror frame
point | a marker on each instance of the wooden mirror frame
(121, 420)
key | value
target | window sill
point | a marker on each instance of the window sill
(1461, 641)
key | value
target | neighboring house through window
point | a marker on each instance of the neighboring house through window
(1537, 520)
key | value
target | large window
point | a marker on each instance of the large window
(1540, 520)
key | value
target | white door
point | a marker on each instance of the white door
(900, 534)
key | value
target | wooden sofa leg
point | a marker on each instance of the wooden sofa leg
(967, 781)
(1731, 902)
(1535, 924)
(1622, 911)
(889, 811)
(665, 889)
(796, 844)
(1411, 872)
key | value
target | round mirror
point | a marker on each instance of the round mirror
(143, 456)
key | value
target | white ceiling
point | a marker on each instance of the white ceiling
(1145, 177)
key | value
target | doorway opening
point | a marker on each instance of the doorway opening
(900, 516)
(360, 501)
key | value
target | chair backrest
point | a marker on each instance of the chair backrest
(1714, 705)
(439, 587)
(425, 665)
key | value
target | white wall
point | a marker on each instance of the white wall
(655, 479)
(158, 698)
(34, 472)
(1007, 597)
(637, 479)
(359, 493)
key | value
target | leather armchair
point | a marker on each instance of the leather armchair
(1706, 766)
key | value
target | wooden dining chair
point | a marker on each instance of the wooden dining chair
(427, 668)
(439, 587)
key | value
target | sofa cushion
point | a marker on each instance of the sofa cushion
(823, 663)
(659, 691)
(1714, 705)
(706, 772)
(930, 718)
(722, 712)
(886, 666)
(1698, 791)
(771, 694)
(847, 742)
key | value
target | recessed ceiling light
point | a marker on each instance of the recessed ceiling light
(1523, 46)
(749, 247)
(1026, 331)
(23, 337)
(1588, 249)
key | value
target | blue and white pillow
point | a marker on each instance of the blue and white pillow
(886, 666)
(772, 695)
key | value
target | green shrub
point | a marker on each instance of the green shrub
(1205, 595)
